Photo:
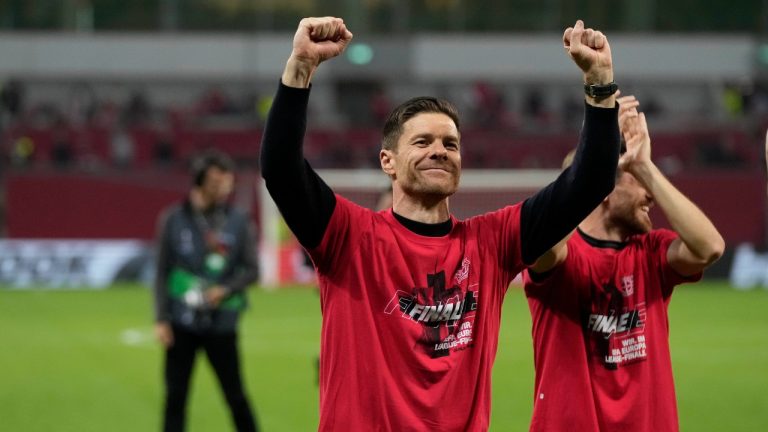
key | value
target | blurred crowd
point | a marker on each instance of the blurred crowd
(89, 128)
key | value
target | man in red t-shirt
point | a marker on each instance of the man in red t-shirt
(599, 301)
(411, 297)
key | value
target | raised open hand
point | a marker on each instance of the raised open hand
(627, 111)
(634, 129)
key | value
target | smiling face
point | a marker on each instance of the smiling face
(426, 160)
(629, 204)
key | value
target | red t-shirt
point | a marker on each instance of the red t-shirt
(601, 337)
(411, 323)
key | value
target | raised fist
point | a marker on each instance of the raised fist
(319, 39)
(589, 49)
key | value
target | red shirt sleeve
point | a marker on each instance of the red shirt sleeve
(347, 221)
(574, 271)
(501, 228)
(657, 245)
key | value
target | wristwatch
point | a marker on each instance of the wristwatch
(600, 90)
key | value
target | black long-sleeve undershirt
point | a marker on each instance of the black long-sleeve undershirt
(553, 212)
(302, 197)
(307, 203)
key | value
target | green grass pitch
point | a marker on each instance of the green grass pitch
(87, 361)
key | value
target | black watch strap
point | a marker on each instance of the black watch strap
(600, 90)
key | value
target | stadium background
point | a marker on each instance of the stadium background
(103, 102)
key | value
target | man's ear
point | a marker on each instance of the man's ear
(607, 200)
(387, 160)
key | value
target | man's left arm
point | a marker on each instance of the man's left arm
(552, 213)
(699, 243)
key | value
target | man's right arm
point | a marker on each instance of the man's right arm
(304, 200)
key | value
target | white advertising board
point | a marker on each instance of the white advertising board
(70, 263)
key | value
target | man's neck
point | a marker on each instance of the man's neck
(429, 211)
(199, 201)
(598, 226)
(425, 229)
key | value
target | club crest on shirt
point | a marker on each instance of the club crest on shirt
(627, 285)
(463, 272)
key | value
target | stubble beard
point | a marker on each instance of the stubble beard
(634, 221)
(419, 184)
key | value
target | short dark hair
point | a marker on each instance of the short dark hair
(207, 160)
(393, 127)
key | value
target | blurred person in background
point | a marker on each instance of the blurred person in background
(122, 148)
(599, 300)
(206, 259)
(62, 151)
(12, 101)
(411, 297)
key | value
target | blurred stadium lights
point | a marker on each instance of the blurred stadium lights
(762, 54)
(359, 53)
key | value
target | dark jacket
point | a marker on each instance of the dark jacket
(197, 250)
